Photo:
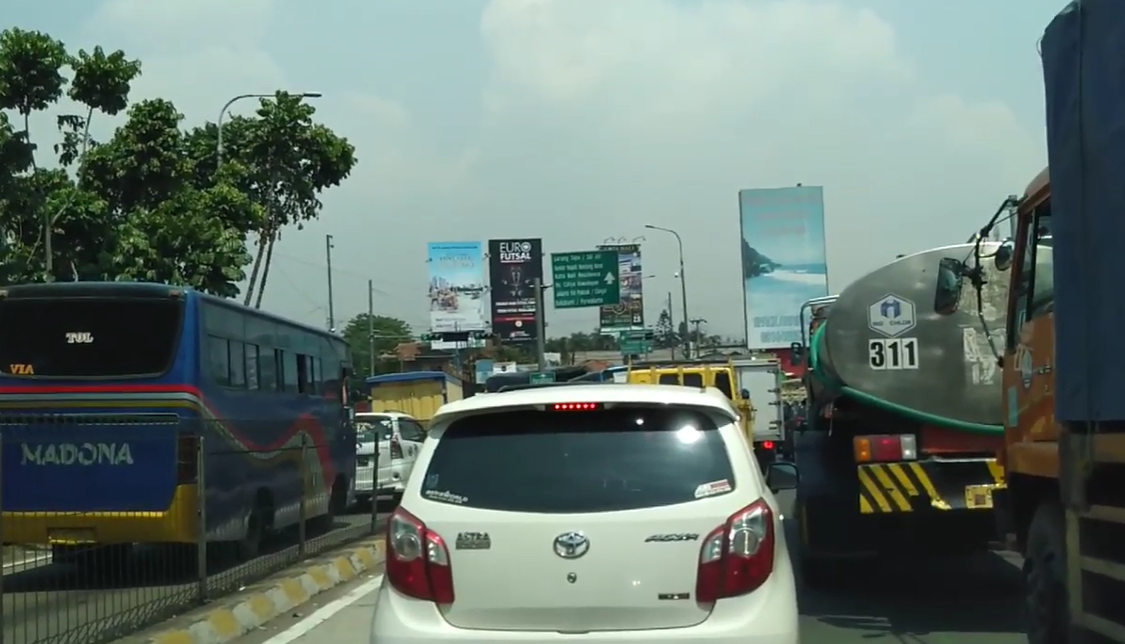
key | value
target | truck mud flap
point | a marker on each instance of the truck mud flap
(926, 486)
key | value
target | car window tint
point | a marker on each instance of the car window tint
(410, 430)
(570, 462)
(373, 430)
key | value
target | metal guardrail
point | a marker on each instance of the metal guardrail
(68, 592)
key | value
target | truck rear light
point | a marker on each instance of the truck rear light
(882, 448)
(396, 447)
(417, 562)
(737, 557)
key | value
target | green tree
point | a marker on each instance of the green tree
(34, 201)
(132, 208)
(285, 160)
(384, 333)
(665, 337)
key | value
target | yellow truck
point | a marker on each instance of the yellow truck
(697, 374)
(415, 393)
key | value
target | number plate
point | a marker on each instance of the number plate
(71, 536)
(978, 497)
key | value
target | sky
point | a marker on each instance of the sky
(579, 121)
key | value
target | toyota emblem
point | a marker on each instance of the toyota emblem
(571, 545)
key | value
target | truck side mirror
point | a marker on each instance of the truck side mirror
(797, 352)
(947, 294)
(745, 393)
(1002, 259)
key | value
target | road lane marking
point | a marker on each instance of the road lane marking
(325, 612)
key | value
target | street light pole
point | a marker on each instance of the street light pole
(683, 285)
(223, 113)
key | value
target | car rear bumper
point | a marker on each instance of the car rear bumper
(389, 481)
(768, 616)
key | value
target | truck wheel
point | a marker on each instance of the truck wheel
(816, 572)
(1044, 573)
(820, 574)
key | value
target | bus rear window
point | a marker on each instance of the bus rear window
(88, 337)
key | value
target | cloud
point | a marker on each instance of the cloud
(661, 110)
(200, 54)
(591, 119)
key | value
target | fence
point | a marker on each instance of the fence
(100, 521)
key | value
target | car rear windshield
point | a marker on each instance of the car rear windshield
(372, 429)
(575, 462)
(88, 337)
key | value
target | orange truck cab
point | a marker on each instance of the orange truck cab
(1063, 359)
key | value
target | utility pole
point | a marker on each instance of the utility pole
(331, 303)
(698, 322)
(371, 327)
(541, 326)
(671, 326)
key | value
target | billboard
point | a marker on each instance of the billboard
(784, 262)
(456, 274)
(629, 313)
(513, 267)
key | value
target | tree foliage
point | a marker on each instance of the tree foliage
(150, 203)
(286, 160)
(387, 334)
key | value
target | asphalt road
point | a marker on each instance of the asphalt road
(916, 600)
(62, 604)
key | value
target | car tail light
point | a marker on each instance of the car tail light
(767, 445)
(885, 447)
(737, 557)
(187, 459)
(575, 407)
(396, 447)
(417, 563)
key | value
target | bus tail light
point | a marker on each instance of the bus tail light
(883, 448)
(187, 459)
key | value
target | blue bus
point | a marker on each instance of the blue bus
(107, 390)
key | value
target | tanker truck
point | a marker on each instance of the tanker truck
(903, 419)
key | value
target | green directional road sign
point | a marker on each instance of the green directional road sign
(541, 378)
(587, 278)
(633, 343)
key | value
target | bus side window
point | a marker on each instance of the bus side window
(289, 371)
(219, 353)
(252, 381)
(669, 379)
(237, 364)
(303, 374)
(267, 369)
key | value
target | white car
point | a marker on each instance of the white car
(589, 514)
(387, 446)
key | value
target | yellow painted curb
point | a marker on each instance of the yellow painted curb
(226, 623)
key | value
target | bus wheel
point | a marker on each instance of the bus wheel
(1044, 573)
(250, 546)
(337, 504)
